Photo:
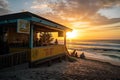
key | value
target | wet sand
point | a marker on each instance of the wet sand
(82, 69)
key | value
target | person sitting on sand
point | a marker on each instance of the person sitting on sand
(82, 56)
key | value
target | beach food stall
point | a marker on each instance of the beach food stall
(26, 37)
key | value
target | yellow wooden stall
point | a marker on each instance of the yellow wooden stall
(21, 30)
(46, 52)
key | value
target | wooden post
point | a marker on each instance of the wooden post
(65, 38)
(31, 36)
(30, 44)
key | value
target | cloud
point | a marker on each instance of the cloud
(3, 11)
(4, 7)
(102, 20)
(109, 3)
(3, 4)
(74, 13)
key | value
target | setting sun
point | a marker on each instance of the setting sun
(72, 34)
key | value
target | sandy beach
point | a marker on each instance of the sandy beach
(82, 69)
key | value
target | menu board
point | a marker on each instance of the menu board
(23, 26)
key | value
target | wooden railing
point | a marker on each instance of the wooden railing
(13, 59)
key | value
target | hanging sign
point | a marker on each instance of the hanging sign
(23, 26)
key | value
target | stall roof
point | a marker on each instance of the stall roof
(12, 18)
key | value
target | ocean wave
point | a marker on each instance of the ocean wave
(93, 44)
(103, 49)
(108, 51)
(112, 56)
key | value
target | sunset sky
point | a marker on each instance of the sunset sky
(91, 19)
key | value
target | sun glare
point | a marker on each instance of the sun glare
(72, 34)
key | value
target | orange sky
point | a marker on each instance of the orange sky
(91, 19)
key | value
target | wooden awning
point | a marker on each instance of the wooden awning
(35, 19)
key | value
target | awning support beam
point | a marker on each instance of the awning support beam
(31, 36)
(65, 38)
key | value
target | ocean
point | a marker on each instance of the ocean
(103, 50)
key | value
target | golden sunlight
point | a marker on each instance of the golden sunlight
(72, 34)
